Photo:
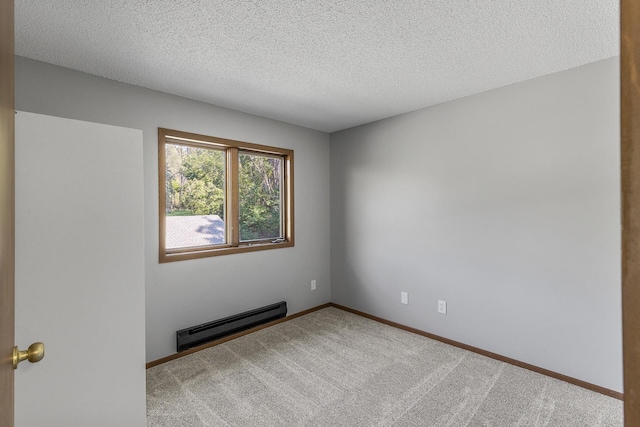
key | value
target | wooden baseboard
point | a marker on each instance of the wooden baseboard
(232, 337)
(486, 353)
(477, 350)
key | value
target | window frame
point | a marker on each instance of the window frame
(231, 148)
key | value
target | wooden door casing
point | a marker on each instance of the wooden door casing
(630, 153)
(7, 216)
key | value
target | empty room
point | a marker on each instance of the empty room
(315, 213)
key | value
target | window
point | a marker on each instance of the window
(219, 196)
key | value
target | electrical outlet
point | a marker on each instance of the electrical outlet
(442, 307)
(404, 298)
(313, 285)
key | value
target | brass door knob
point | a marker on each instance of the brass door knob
(33, 354)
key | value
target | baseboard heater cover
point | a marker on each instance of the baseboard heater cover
(207, 332)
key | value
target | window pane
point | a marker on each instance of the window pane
(260, 194)
(195, 196)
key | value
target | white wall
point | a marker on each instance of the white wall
(182, 294)
(505, 204)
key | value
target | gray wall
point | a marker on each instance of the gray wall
(182, 294)
(506, 205)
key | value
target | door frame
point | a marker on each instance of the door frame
(7, 215)
(630, 185)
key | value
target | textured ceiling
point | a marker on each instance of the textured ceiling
(325, 64)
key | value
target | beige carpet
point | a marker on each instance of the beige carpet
(333, 368)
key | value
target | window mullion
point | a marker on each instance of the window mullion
(233, 204)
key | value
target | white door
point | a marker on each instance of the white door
(79, 273)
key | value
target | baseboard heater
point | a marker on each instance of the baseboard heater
(207, 332)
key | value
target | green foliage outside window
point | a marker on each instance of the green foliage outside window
(195, 179)
(260, 196)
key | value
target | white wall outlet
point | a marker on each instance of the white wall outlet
(313, 285)
(442, 307)
(404, 298)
